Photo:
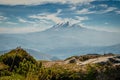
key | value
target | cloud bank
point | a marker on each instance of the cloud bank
(37, 2)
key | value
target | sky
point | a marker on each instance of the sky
(23, 16)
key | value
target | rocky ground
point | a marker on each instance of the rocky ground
(76, 60)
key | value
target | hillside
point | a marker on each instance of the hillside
(18, 64)
(94, 59)
(89, 67)
(14, 57)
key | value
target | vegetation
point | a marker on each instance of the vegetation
(19, 65)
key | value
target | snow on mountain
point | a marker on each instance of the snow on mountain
(65, 26)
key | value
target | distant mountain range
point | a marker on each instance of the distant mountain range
(63, 40)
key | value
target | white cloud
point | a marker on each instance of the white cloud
(106, 23)
(2, 18)
(109, 9)
(31, 26)
(118, 12)
(79, 1)
(103, 5)
(36, 2)
(20, 29)
(84, 11)
(54, 17)
(12, 23)
(103, 28)
(59, 11)
(73, 7)
(87, 11)
(76, 20)
(48, 17)
(24, 21)
(81, 18)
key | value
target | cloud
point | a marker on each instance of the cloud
(21, 29)
(30, 26)
(59, 11)
(37, 2)
(87, 11)
(48, 17)
(118, 12)
(54, 17)
(73, 7)
(24, 21)
(2, 18)
(106, 23)
(76, 20)
(109, 9)
(81, 18)
(103, 5)
(84, 11)
(12, 23)
(103, 28)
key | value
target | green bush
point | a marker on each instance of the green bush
(5, 73)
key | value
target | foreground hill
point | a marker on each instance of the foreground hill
(94, 59)
(19, 65)
(83, 60)
(18, 62)
(89, 67)
(14, 57)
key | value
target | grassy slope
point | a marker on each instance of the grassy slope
(13, 77)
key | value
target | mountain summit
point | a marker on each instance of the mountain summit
(62, 25)
(66, 25)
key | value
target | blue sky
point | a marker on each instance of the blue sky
(37, 15)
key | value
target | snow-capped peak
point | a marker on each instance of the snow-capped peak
(62, 25)
(66, 25)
